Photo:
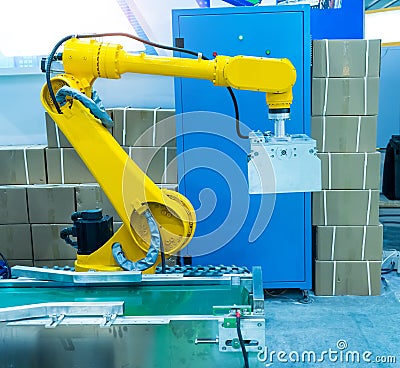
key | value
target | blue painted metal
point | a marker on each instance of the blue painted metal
(203, 3)
(344, 23)
(132, 18)
(389, 95)
(243, 2)
(212, 163)
(3, 270)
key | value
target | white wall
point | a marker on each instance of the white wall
(22, 115)
(21, 112)
(383, 25)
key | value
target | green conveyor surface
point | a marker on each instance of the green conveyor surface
(139, 301)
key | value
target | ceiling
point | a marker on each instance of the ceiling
(381, 4)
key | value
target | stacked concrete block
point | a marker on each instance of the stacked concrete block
(41, 186)
(347, 233)
(32, 216)
(55, 137)
(27, 217)
(49, 209)
(147, 135)
(15, 234)
(144, 127)
(22, 165)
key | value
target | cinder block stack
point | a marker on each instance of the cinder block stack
(147, 135)
(347, 233)
(15, 232)
(49, 210)
(41, 186)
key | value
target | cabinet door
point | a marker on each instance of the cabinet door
(233, 227)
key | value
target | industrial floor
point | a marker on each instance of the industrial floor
(363, 323)
(353, 323)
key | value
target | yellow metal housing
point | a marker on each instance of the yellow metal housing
(89, 59)
(128, 188)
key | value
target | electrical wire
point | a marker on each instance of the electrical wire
(48, 69)
(235, 104)
(273, 293)
(163, 265)
(385, 271)
(178, 49)
(7, 266)
(241, 341)
(394, 252)
(133, 37)
(150, 43)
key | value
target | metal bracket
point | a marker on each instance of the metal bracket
(253, 332)
(283, 164)
(258, 291)
(78, 278)
(108, 320)
(55, 320)
(228, 310)
(235, 281)
(58, 311)
(199, 341)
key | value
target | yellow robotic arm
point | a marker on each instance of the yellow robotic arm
(88, 60)
(130, 190)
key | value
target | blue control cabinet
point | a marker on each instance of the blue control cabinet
(346, 22)
(232, 226)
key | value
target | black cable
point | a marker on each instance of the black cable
(385, 271)
(235, 104)
(154, 44)
(163, 265)
(241, 341)
(7, 266)
(170, 48)
(128, 35)
(48, 69)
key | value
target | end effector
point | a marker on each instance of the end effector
(279, 117)
(280, 162)
(279, 110)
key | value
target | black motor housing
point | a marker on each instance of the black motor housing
(91, 229)
(391, 169)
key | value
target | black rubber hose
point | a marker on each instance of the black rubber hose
(178, 49)
(163, 263)
(241, 341)
(235, 105)
(8, 268)
(48, 69)
(128, 35)
(154, 44)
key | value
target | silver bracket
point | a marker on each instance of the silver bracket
(235, 280)
(253, 333)
(78, 278)
(56, 319)
(258, 291)
(57, 311)
(199, 341)
(283, 164)
(108, 320)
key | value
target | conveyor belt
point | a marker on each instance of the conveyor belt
(202, 271)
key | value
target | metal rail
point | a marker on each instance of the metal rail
(57, 311)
